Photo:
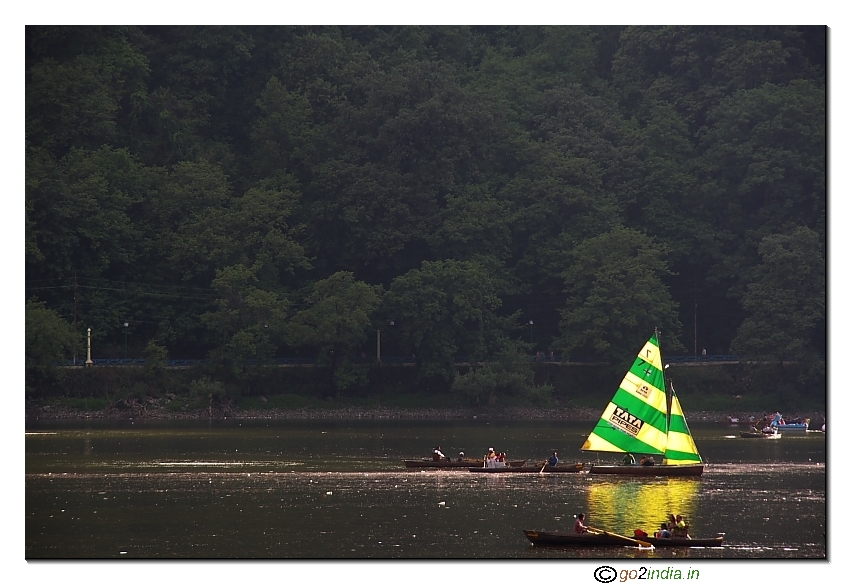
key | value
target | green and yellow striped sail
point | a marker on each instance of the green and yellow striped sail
(636, 419)
(681, 448)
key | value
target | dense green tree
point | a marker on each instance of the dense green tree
(83, 97)
(446, 309)
(280, 133)
(786, 299)
(48, 338)
(193, 180)
(249, 321)
(626, 297)
(336, 322)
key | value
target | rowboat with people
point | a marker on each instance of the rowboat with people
(756, 434)
(425, 464)
(537, 469)
(541, 537)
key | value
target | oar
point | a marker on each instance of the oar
(541, 469)
(642, 544)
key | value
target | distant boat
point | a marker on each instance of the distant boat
(644, 417)
(779, 423)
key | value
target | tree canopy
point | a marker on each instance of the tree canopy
(220, 188)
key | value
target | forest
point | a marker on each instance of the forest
(244, 193)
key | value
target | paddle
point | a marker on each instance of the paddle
(642, 544)
(543, 468)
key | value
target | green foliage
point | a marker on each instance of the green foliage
(207, 388)
(786, 299)
(509, 374)
(156, 357)
(337, 321)
(626, 298)
(48, 338)
(444, 310)
(86, 403)
(200, 182)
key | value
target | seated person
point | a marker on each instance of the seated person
(438, 456)
(664, 532)
(460, 456)
(579, 527)
(553, 461)
(628, 460)
(680, 527)
(500, 460)
(647, 461)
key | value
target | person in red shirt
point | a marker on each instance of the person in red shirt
(579, 527)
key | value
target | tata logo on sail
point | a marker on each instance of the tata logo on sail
(625, 421)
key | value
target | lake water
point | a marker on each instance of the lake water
(338, 489)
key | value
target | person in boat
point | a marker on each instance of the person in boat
(664, 532)
(438, 455)
(628, 460)
(490, 458)
(579, 527)
(460, 456)
(681, 527)
(647, 461)
(553, 459)
(500, 460)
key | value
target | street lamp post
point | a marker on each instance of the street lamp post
(126, 328)
(89, 361)
(531, 327)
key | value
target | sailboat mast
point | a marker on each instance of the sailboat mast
(667, 392)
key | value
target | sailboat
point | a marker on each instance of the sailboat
(645, 418)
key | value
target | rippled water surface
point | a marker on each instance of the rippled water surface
(298, 489)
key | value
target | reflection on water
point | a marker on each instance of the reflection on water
(320, 490)
(626, 505)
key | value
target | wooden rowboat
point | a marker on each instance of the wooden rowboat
(560, 468)
(539, 537)
(455, 465)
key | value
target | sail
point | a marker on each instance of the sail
(635, 420)
(681, 448)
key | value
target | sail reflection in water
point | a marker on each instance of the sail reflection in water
(622, 506)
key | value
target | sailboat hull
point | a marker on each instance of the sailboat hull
(661, 470)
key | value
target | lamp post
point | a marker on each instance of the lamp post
(531, 327)
(379, 345)
(89, 361)
(126, 328)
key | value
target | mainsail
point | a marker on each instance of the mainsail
(641, 419)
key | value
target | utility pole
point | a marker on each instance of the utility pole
(75, 317)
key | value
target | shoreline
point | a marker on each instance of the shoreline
(47, 412)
